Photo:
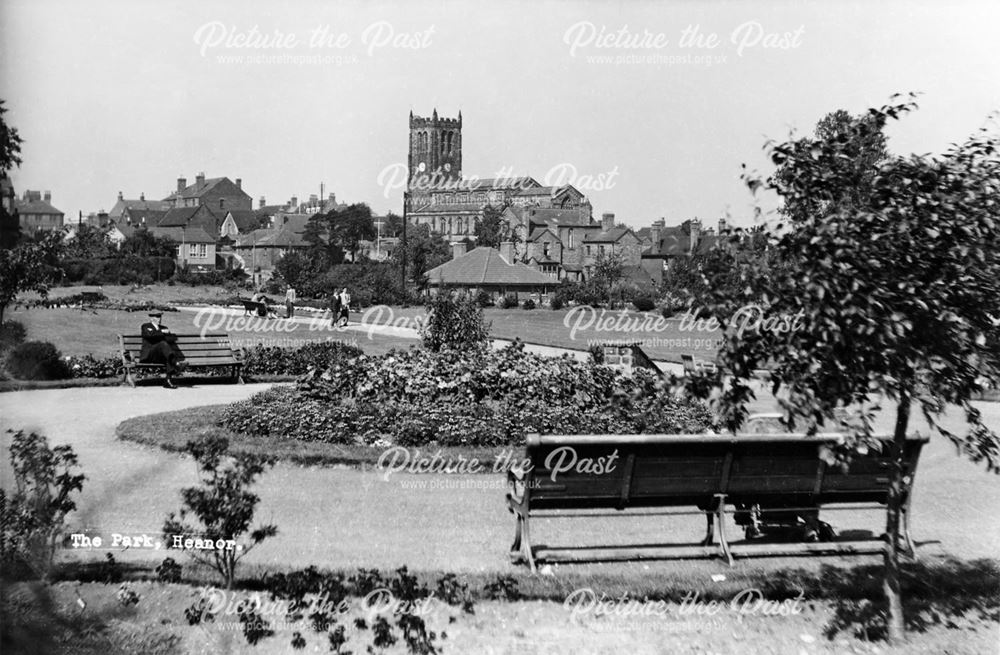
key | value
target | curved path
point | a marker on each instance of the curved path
(347, 517)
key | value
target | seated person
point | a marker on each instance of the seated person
(261, 300)
(159, 347)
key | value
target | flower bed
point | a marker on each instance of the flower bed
(476, 398)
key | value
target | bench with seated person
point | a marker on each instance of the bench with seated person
(785, 475)
(158, 347)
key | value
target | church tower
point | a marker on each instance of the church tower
(435, 148)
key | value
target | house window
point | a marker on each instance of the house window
(588, 250)
(222, 203)
(203, 250)
(570, 239)
(545, 249)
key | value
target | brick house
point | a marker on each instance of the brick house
(195, 247)
(36, 212)
(219, 194)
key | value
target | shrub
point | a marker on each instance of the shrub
(12, 334)
(529, 304)
(123, 269)
(509, 301)
(36, 360)
(33, 518)
(223, 506)
(168, 570)
(556, 303)
(470, 398)
(644, 303)
(454, 323)
(261, 360)
(484, 298)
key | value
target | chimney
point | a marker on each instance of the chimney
(458, 249)
(239, 183)
(507, 251)
(142, 196)
(654, 233)
(723, 226)
(293, 204)
(333, 198)
(48, 196)
(181, 184)
(313, 199)
(263, 202)
(607, 221)
(120, 196)
(695, 234)
(200, 178)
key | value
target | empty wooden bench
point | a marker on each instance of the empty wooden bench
(208, 351)
(712, 475)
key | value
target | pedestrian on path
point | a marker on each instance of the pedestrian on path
(290, 302)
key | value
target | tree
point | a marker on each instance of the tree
(10, 157)
(351, 226)
(28, 266)
(492, 230)
(899, 293)
(424, 251)
(392, 226)
(144, 243)
(609, 268)
(89, 242)
(34, 517)
(10, 144)
(222, 505)
(454, 322)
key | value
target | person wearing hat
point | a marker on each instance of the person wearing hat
(159, 347)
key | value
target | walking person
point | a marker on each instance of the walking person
(335, 310)
(290, 303)
(345, 307)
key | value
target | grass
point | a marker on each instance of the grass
(951, 606)
(78, 331)
(172, 430)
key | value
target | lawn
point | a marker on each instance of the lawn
(81, 331)
(94, 331)
(73, 617)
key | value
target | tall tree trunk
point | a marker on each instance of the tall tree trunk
(891, 583)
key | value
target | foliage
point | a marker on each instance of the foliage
(36, 360)
(609, 268)
(471, 398)
(12, 333)
(143, 243)
(217, 277)
(454, 322)
(508, 301)
(168, 570)
(28, 266)
(897, 290)
(88, 242)
(120, 269)
(272, 360)
(589, 292)
(10, 144)
(644, 303)
(529, 304)
(423, 252)
(556, 303)
(504, 587)
(484, 298)
(34, 515)
(222, 507)
(492, 230)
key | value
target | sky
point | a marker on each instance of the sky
(649, 108)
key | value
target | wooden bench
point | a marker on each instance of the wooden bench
(716, 475)
(211, 350)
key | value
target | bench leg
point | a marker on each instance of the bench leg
(709, 529)
(238, 374)
(526, 544)
(910, 548)
(129, 378)
(720, 516)
(515, 548)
